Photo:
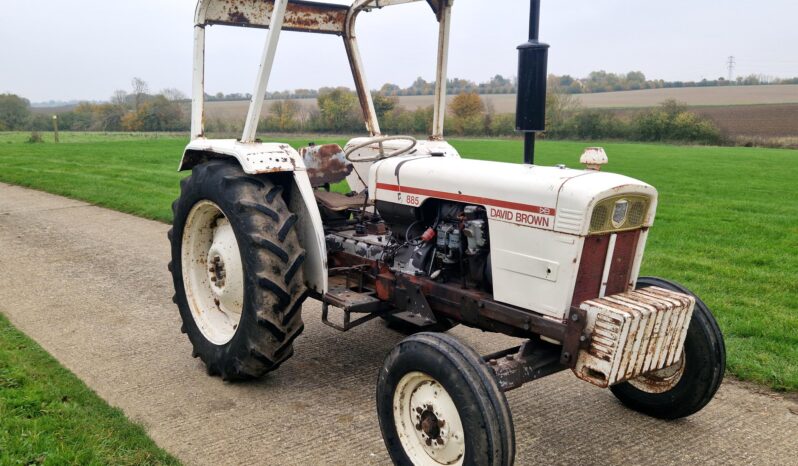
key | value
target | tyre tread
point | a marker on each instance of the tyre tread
(272, 256)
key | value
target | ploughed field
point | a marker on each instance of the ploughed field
(757, 124)
(727, 224)
(777, 120)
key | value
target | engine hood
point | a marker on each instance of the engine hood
(551, 198)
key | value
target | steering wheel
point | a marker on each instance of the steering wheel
(382, 155)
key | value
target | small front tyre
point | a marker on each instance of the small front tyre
(686, 387)
(439, 404)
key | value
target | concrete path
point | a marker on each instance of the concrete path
(91, 286)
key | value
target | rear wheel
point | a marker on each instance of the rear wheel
(687, 386)
(439, 404)
(237, 270)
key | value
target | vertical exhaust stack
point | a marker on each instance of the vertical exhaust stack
(533, 57)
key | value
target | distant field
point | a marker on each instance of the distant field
(769, 123)
(695, 96)
(755, 120)
(505, 103)
(756, 114)
(727, 224)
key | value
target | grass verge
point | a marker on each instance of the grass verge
(48, 416)
(727, 223)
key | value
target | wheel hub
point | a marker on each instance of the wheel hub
(430, 426)
(217, 271)
(662, 380)
(427, 421)
(213, 274)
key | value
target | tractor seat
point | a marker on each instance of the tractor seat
(337, 202)
(327, 165)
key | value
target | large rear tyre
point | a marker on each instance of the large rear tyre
(237, 270)
(686, 387)
(439, 404)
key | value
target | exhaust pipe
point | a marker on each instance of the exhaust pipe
(533, 56)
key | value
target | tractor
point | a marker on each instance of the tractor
(427, 240)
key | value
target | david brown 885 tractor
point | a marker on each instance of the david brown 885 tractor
(429, 240)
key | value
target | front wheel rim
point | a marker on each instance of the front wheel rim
(213, 276)
(427, 422)
(661, 381)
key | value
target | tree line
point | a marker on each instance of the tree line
(338, 111)
(595, 82)
(495, 85)
(136, 110)
(602, 81)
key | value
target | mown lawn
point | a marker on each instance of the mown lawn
(48, 416)
(727, 224)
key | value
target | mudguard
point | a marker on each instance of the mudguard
(264, 158)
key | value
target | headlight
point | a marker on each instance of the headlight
(619, 213)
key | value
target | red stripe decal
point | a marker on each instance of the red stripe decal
(468, 199)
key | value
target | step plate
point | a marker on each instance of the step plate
(352, 301)
(633, 333)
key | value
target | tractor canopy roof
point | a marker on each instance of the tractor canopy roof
(304, 16)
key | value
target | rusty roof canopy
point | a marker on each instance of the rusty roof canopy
(300, 15)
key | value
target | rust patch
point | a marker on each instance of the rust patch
(469, 306)
(238, 17)
(591, 268)
(299, 16)
(326, 164)
(622, 260)
(314, 18)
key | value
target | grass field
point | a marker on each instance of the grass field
(727, 225)
(48, 416)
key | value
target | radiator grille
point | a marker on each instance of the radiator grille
(593, 260)
(633, 333)
(600, 216)
(637, 212)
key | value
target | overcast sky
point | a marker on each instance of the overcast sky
(85, 49)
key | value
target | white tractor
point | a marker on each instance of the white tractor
(428, 240)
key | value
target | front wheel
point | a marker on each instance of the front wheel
(439, 404)
(687, 386)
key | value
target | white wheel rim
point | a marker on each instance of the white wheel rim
(662, 380)
(427, 422)
(213, 276)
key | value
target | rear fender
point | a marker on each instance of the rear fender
(311, 232)
(275, 160)
(255, 158)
